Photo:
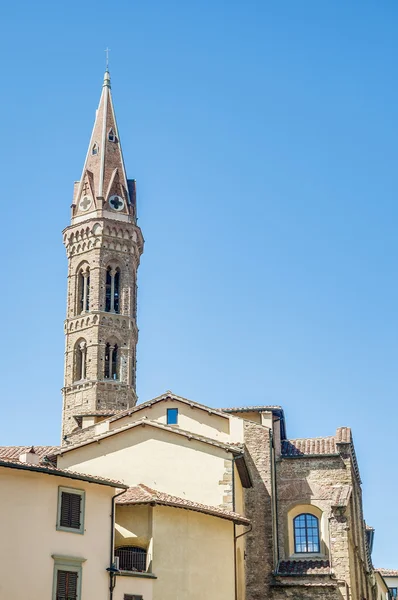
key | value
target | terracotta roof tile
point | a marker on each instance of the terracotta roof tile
(142, 494)
(16, 451)
(51, 469)
(388, 572)
(343, 435)
(303, 567)
(237, 448)
(309, 446)
(256, 408)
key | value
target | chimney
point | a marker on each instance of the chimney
(30, 457)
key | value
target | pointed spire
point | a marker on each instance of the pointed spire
(104, 175)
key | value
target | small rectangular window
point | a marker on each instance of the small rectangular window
(172, 416)
(67, 580)
(70, 510)
(132, 597)
(66, 585)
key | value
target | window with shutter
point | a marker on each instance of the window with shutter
(66, 585)
(70, 510)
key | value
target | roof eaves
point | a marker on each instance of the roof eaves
(61, 473)
(147, 423)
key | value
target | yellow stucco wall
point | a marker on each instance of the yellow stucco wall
(189, 418)
(28, 509)
(193, 556)
(157, 458)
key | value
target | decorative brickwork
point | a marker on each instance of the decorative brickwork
(103, 246)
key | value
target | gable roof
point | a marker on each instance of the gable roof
(50, 469)
(234, 448)
(260, 408)
(164, 398)
(142, 494)
(16, 451)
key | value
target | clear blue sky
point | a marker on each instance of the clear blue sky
(263, 137)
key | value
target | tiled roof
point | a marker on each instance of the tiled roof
(257, 408)
(237, 448)
(16, 451)
(309, 446)
(99, 413)
(142, 494)
(50, 469)
(343, 435)
(388, 572)
(303, 567)
(164, 397)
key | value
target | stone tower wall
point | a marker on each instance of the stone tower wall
(97, 244)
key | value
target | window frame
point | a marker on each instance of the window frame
(80, 493)
(172, 411)
(72, 565)
(306, 528)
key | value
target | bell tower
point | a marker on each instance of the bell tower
(103, 245)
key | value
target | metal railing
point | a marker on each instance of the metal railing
(132, 558)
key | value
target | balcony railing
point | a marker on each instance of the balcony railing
(132, 558)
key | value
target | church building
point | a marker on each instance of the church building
(167, 499)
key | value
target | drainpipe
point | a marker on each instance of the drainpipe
(234, 458)
(112, 569)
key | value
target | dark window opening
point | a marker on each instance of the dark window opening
(172, 416)
(70, 510)
(111, 370)
(393, 592)
(306, 533)
(94, 149)
(131, 558)
(108, 292)
(116, 284)
(66, 585)
(111, 136)
(84, 290)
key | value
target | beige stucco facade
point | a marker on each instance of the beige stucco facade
(161, 459)
(31, 541)
(184, 550)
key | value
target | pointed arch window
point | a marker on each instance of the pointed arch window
(111, 370)
(80, 360)
(94, 149)
(83, 290)
(111, 135)
(112, 290)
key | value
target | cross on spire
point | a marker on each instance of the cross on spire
(107, 50)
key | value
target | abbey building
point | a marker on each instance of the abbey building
(167, 499)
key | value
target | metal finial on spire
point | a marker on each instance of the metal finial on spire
(107, 50)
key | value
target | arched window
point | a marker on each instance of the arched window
(111, 370)
(306, 533)
(131, 558)
(83, 290)
(111, 136)
(94, 149)
(80, 360)
(112, 290)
